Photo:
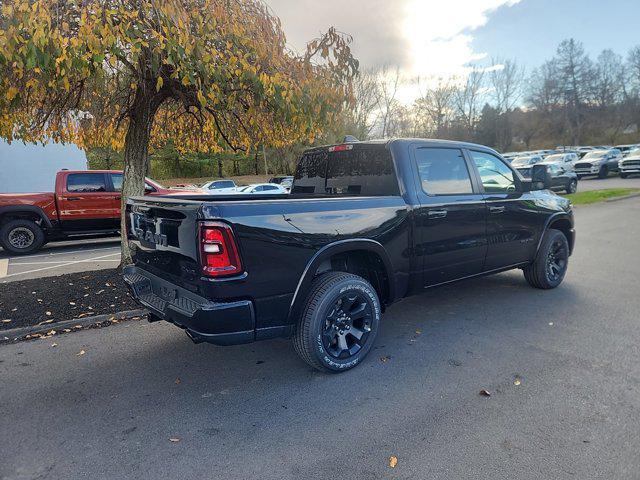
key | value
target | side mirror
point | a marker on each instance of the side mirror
(540, 178)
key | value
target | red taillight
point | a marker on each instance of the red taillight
(340, 148)
(218, 250)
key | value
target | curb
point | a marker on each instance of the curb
(37, 331)
(617, 199)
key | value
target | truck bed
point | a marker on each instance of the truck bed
(277, 238)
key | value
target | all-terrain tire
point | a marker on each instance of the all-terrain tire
(325, 291)
(21, 237)
(539, 274)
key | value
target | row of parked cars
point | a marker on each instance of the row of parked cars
(569, 164)
(275, 186)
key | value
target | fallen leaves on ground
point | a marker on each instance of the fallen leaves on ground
(385, 359)
(485, 393)
(54, 344)
(81, 352)
(517, 382)
(174, 440)
(393, 461)
(178, 381)
(6, 320)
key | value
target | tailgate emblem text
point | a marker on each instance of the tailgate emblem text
(150, 237)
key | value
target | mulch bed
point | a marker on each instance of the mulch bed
(72, 296)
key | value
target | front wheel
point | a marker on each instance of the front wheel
(339, 322)
(623, 175)
(550, 266)
(21, 237)
(572, 187)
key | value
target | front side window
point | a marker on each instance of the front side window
(443, 171)
(86, 182)
(495, 175)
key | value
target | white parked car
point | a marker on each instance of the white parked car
(262, 188)
(565, 160)
(526, 160)
(630, 165)
(220, 187)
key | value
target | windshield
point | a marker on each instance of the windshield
(555, 158)
(593, 155)
(522, 161)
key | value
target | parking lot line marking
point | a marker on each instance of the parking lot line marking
(58, 266)
(87, 260)
(64, 253)
(4, 267)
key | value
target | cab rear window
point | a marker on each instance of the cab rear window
(361, 170)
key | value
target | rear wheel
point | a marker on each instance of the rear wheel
(550, 266)
(21, 237)
(572, 187)
(339, 322)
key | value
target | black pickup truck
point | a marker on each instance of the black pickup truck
(366, 224)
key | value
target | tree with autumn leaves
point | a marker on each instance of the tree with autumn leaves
(209, 75)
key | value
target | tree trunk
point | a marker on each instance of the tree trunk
(219, 166)
(136, 157)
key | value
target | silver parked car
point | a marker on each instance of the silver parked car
(598, 162)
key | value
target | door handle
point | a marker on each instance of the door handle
(497, 209)
(73, 199)
(437, 213)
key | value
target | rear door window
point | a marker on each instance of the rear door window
(443, 171)
(86, 182)
(365, 170)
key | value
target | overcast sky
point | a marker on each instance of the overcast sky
(441, 37)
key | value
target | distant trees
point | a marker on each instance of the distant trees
(570, 99)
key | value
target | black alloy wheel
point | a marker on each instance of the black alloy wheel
(549, 268)
(557, 260)
(338, 323)
(347, 325)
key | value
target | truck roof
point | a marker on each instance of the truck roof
(429, 141)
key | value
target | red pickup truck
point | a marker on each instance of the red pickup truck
(84, 203)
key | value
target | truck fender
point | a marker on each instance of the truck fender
(27, 209)
(326, 252)
(560, 216)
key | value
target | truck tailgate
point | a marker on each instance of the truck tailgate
(162, 236)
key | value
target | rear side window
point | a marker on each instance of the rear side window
(443, 171)
(116, 179)
(86, 182)
(362, 170)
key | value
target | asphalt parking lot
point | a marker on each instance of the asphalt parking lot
(592, 183)
(144, 402)
(58, 258)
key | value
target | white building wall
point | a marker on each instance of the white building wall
(32, 168)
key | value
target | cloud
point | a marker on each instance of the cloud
(439, 34)
(422, 37)
(376, 26)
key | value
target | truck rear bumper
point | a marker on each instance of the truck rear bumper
(205, 321)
